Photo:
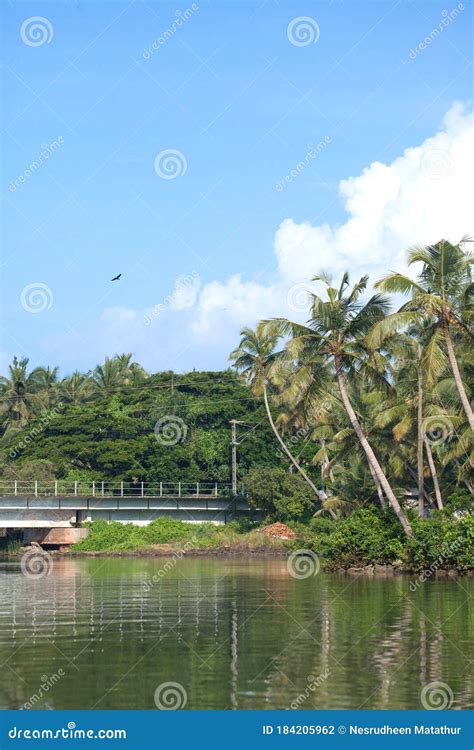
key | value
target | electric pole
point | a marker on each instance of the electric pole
(233, 443)
(233, 426)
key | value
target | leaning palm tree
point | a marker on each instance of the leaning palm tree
(19, 395)
(336, 332)
(254, 358)
(442, 295)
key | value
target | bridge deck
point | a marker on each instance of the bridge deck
(112, 502)
(60, 503)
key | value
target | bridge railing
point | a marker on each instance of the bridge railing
(67, 488)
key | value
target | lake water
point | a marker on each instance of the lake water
(234, 633)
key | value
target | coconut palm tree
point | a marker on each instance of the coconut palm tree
(19, 395)
(442, 296)
(336, 332)
(130, 372)
(409, 412)
(106, 377)
(47, 379)
(254, 358)
(76, 389)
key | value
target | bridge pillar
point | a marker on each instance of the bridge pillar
(59, 535)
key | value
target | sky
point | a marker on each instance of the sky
(217, 155)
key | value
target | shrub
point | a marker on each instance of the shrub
(281, 495)
(365, 537)
(459, 500)
(444, 541)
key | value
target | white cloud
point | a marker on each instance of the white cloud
(185, 291)
(233, 300)
(420, 197)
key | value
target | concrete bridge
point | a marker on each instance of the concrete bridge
(39, 504)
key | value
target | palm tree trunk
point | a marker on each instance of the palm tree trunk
(457, 378)
(371, 457)
(320, 495)
(324, 463)
(434, 474)
(378, 486)
(420, 432)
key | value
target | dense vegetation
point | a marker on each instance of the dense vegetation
(367, 537)
(361, 416)
(100, 425)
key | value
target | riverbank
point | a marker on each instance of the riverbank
(356, 543)
(275, 552)
(363, 544)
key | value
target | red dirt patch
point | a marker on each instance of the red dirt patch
(278, 530)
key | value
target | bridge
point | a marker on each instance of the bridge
(39, 504)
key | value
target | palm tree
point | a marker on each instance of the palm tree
(47, 379)
(106, 377)
(130, 372)
(254, 358)
(442, 295)
(19, 394)
(76, 389)
(337, 332)
(410, 408)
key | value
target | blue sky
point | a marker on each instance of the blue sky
(241, 102)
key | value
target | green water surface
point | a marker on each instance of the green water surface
(233, 634)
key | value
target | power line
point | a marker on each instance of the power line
(125, 415)
(232, 380)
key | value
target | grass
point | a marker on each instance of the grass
(12, 547)
(116, 537)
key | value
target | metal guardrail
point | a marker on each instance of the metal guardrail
(63, 488)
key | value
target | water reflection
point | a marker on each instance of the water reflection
(235, 633)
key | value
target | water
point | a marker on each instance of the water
(233, 633)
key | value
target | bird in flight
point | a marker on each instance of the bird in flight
(116, 278)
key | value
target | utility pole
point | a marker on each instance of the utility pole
(233, 426)
(233, 443)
